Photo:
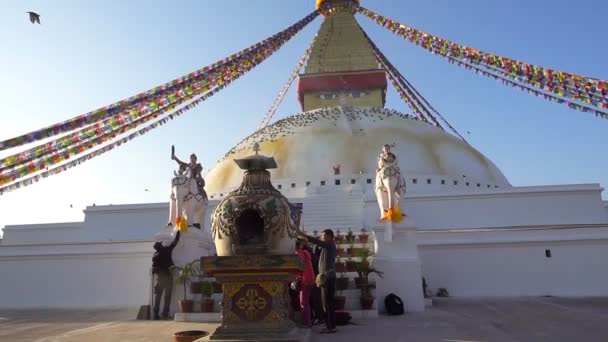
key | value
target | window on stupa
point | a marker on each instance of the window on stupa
(327, 96)
(357, 94)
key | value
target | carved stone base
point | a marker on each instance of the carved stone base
(255, 305)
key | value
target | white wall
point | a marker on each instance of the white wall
(130, 222)
(43, 233)
(576, 268)
(490, 242)
(521, 206)
(75, 275)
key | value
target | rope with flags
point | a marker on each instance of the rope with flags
(144, 99)
(277, 101)
(109, 125)
(567, 87)
(411, 96)
(61, 150)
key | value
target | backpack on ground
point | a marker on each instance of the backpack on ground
(343, 317)
(393, 304)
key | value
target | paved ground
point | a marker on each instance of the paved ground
(451, 320)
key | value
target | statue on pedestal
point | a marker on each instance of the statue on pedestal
(390, 186)
(188, 197)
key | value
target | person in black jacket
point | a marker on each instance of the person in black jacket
(315, 295)
(161, 263)
(327, 275)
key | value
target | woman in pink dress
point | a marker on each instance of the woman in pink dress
(307, 278)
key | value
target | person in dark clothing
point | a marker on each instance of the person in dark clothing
(327, 276)
(161, 263)
(315, 295)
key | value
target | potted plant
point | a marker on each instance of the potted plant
(340, 267)
(184, 273)
(350, 251)
(350, 265)
(339, 237)
(350, 237)
(207, 292)
(188, 335)
(364, 269)
(363, 236)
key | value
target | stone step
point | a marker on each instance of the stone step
(215, 317)
(199, 317)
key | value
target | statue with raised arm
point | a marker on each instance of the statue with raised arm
(390, 186)
(188, 196)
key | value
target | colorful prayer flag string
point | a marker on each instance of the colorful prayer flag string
(411, 96)
(530, 90)
(241, 68)
(588, 90)
(277, 101)
(113, 109)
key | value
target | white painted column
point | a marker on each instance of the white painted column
(399, 261)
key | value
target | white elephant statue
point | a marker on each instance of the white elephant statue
(390, 186)
(187, 202)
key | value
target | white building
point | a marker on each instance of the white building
(469, 230)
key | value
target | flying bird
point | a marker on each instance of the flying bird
(146, 190)
(34, 17)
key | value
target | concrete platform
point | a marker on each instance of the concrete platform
(448, 320)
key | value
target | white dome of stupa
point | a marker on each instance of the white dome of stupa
(308, 144)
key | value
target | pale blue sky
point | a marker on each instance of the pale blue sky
(87, 54)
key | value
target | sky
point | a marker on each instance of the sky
(88, 54)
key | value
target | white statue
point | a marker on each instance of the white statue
(188, 197)
(390, 186)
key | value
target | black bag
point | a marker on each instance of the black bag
(343, 318)
(393, 304)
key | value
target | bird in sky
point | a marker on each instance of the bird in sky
(34, 17)
(146, 190)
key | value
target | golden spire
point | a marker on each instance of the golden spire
(342, 67)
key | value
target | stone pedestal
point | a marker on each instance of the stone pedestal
(255, 305)
(399, 261)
